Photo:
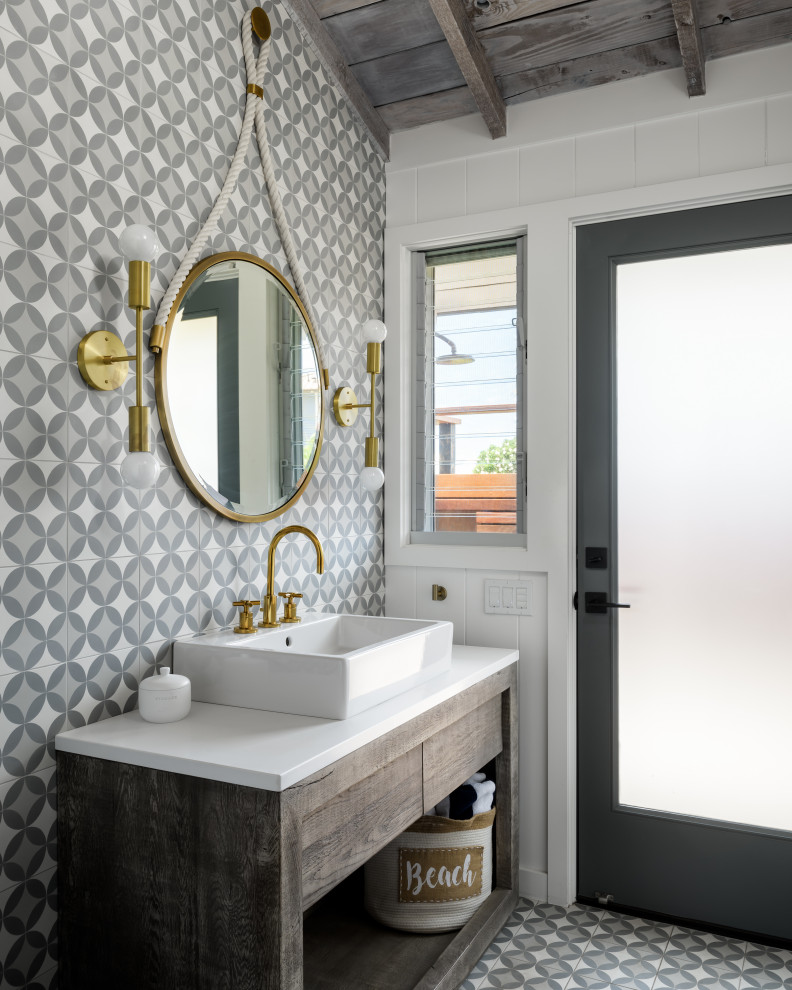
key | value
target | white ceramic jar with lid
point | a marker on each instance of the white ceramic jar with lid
(165, 697)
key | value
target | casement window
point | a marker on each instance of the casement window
(469, 471)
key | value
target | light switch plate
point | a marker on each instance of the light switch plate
(508, 597)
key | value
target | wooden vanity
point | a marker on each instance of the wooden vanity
(183, 866)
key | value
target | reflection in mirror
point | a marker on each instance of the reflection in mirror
(242, 390)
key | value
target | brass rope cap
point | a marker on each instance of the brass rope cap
(260, 23)
(256, 90)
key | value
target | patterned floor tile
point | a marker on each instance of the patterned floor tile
(631, 929)
(606, 961)
(768, 969)
(507, 975)
(546, 950)
(541, 948)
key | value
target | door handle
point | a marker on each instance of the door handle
(597, 603)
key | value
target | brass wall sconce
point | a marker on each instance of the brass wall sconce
(104, 363)
(345, 404)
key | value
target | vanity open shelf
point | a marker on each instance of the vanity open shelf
(200, 879)
(343, 947)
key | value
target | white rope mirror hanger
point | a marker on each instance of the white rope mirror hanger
(258, 22)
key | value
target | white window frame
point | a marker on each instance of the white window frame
(452, 538)
(401, 245)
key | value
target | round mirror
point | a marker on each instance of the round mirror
(239, 388)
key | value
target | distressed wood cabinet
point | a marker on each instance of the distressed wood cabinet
(182, 883)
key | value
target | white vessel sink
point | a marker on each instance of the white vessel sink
(330, 666)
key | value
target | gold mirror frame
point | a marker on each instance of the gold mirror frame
(163, 406)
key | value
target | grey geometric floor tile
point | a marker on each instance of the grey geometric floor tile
(561, 930)
(509, 974)
(701, 959)
(706, 944)
(767, 968)
(474, 977)
(606, 962)
(547, 950)
(630, 929)
(623, 953)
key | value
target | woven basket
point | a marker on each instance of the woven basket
(432, 877)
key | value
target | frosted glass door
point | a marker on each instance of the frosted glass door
(704, 509)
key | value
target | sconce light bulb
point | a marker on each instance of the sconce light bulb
(140, 469)
(372, 478)
(138, 243)
(374, 332)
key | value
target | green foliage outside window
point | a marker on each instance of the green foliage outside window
(498, 458)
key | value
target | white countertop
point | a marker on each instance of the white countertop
(269, 750)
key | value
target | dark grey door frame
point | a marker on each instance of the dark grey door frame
(651, 863)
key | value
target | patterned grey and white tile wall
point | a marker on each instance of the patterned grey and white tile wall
(113, 112)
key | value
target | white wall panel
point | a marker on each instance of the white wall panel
(666, 150)
(732, 138)
(453, 608)
(441, 191)
(400, 592)
(401, 201)
(547, 171)
(492, 181)
(605, 161)
(779, 130)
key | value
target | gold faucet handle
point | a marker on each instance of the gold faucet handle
(290, 609)
(245, 616)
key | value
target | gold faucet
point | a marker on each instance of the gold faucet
(269, 606)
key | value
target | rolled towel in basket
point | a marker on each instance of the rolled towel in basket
(472, 798)
(486, 795)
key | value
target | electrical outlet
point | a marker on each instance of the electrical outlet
(508, 597)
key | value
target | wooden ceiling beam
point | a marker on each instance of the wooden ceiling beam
(690, 44)
(341, 74)
(473, 63)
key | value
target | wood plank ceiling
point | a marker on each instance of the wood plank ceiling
(420, 61)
